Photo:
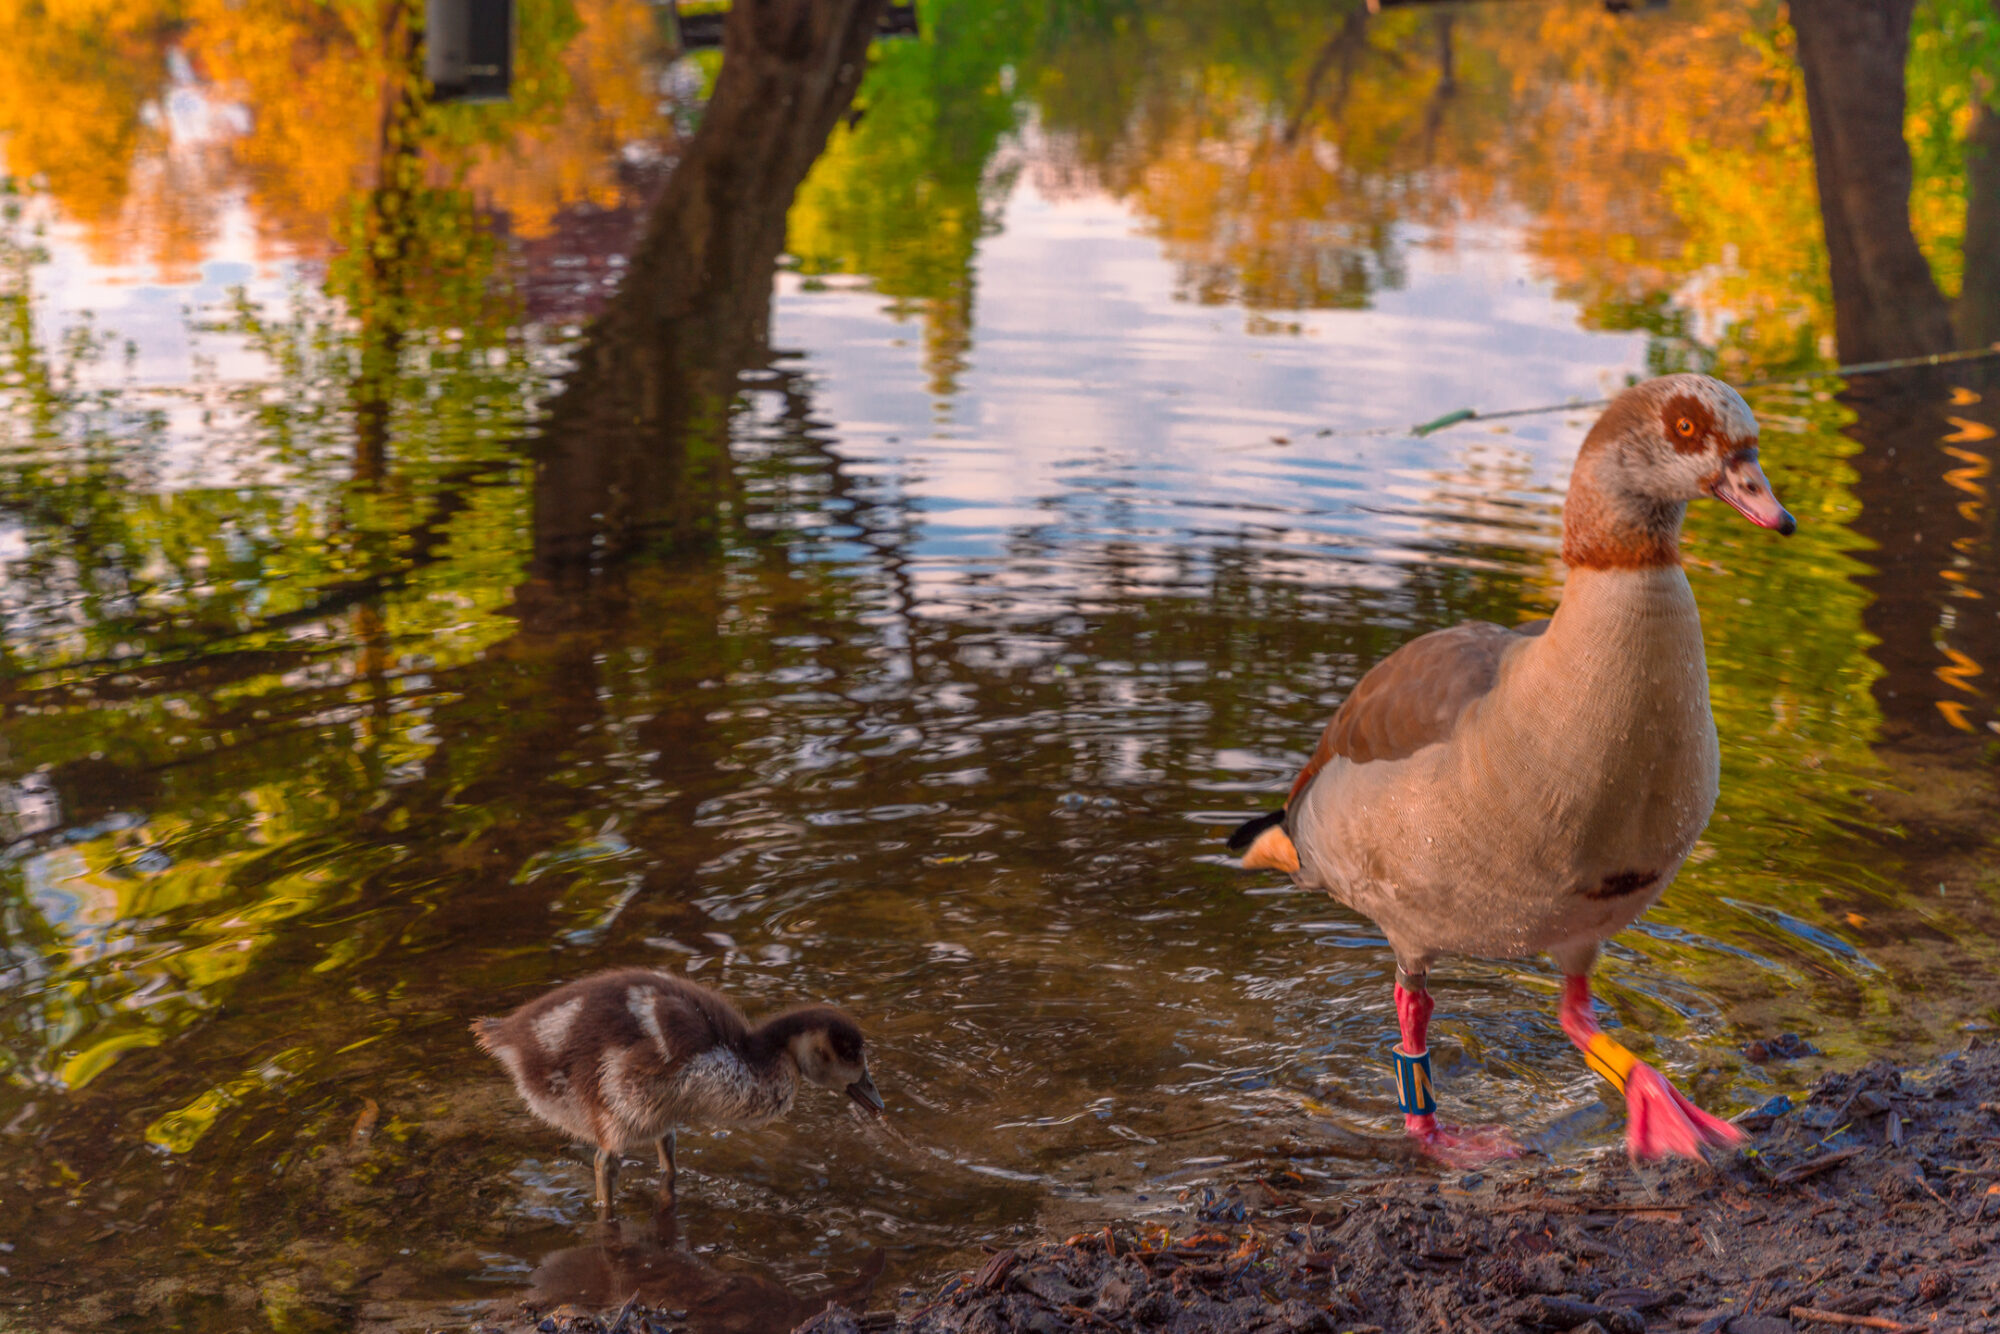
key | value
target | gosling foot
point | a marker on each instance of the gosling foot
(665, 1147)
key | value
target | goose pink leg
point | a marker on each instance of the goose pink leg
(1454, 1146)
(1659, 1120)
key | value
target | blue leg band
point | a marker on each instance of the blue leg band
(1413, 1084)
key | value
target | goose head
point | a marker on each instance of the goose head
(1658, 446)
(829, 1050)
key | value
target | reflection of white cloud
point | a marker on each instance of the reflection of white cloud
(192, 118)
(29, 806)
(149, 355)
(1100, 410)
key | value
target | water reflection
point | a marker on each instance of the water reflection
(1923, 476)
(638, 439)
(976, 578)
(652, 1263)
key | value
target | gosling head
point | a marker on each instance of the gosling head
(829, 1050)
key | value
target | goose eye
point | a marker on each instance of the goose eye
(1684, 426)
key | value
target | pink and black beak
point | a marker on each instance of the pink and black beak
(865, 1095)
(1742, 486)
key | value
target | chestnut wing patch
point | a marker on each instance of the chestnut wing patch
(1620, 884)
(1413, 697)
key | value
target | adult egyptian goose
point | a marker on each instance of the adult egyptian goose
(1506, 792)
(623, 1057)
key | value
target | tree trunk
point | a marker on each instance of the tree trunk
(1885, 302)
(637, 445)
(1978, 313)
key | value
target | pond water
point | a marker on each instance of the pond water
(364, 668)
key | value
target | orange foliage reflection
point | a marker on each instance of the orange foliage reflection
(1651, 160)
(146, 122)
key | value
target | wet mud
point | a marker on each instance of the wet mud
(1873, 1203)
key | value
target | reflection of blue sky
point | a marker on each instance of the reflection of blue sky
(1097, 403)
(60, 887)
(83, 906)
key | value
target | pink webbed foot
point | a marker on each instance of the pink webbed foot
(1461, 1146)
(1661, 1122)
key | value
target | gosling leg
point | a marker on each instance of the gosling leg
(607, 1182)
(665, 1145)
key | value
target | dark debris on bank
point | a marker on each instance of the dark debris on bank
(1873, 1205)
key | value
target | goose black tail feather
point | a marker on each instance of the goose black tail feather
(1246, 833)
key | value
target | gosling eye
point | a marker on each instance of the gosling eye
(1685, 426)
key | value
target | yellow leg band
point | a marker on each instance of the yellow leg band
(1609, 1059)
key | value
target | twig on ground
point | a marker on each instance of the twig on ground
(1863, 1321)
(1820, 1164)
(1075, 1312)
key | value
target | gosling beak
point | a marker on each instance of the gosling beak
(863, 1092)
(1742, 486)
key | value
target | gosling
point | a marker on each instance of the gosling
(623, 1057)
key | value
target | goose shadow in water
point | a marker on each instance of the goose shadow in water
(650, 1259)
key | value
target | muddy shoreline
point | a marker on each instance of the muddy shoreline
(1871, 1204)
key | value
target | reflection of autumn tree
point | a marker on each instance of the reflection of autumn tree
(1279, 154)
(73, 80)
(906, 187)
(1272, 146)
(1658, 157)
(315, 79)
(1659, 163)
(600, 106)
(141, 120)
(638, 441)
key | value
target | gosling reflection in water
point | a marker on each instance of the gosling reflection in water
(622, 1058)
(646, 1261)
